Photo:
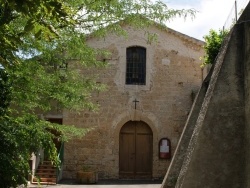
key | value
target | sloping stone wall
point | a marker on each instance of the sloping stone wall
(246, 43)
(218, 152)
(214, 153)
(181, 150)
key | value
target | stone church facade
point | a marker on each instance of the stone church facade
(150, 91)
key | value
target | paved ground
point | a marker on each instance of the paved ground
(106, 184)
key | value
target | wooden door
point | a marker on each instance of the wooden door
(135, 151)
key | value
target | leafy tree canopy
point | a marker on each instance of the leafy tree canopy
(213, 43)
(42, 51)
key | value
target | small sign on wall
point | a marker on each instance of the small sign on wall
(164, 148)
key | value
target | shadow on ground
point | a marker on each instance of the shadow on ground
(114, 182)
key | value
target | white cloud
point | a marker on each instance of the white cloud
(212, 14)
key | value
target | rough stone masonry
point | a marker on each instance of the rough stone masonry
(173, 76)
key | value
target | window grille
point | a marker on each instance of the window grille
(136, 66)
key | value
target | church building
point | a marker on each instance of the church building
(151, 86)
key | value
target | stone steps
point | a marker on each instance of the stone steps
(45, 174)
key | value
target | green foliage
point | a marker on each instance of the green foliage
(17, 143)
(21, 136)
(26, 25)
(43, 50)
(4, 91)
(212, 47)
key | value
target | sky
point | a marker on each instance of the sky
(212, 14)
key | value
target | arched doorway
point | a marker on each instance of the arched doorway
(135, 151)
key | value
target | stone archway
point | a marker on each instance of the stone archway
(149, 118)
(135, 151)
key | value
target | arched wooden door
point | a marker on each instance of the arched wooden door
(136, 149)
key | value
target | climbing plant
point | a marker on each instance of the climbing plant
(213, 42)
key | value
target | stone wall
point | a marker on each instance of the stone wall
(181, 150)
(244, 23)
(173, 75)
(218, 152)
(214, 153)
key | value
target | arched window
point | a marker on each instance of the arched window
(136, 66)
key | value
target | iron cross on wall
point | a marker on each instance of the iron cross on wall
(135, 101)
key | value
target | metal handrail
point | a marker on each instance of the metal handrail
(60, 156)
